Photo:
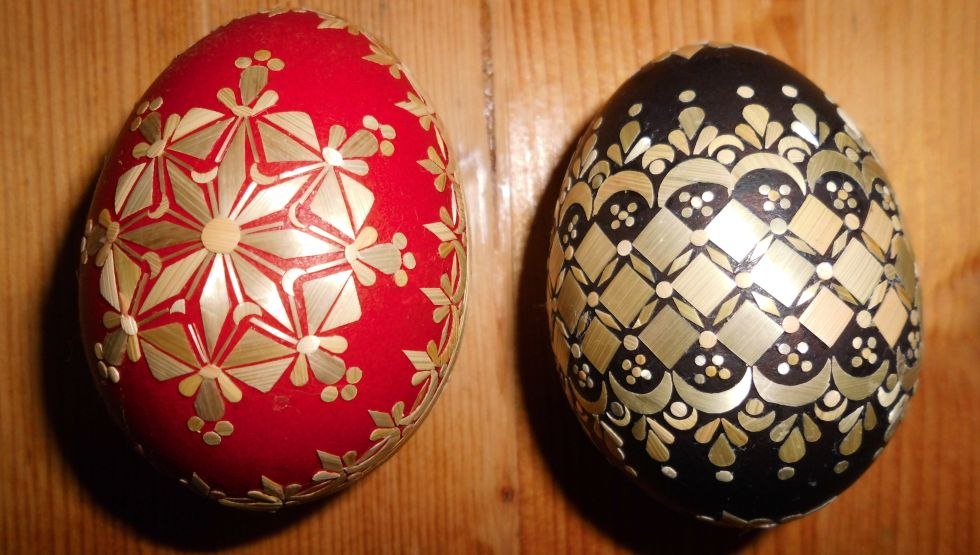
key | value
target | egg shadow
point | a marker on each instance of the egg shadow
(117, 479)
(600, 493)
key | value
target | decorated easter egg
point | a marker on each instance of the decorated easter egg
(274, 264)
(733, 300)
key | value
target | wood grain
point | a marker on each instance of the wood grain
(500, 466)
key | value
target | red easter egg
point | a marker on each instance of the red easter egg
(274, 266)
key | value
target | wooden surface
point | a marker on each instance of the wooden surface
(500, 466)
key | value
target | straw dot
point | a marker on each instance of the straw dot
(831, 398)
(699, 237)
(743, 280)
(707, 339)
(329, 394)
(678, 409)
(195, 423)
(624, 247)
(791, 324)
(864, 319)
(778, 226)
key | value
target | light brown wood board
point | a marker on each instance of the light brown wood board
(500, 466)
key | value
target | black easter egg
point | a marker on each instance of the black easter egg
(732, 297)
